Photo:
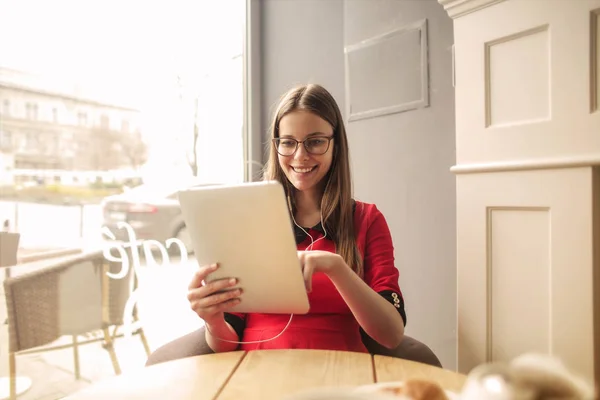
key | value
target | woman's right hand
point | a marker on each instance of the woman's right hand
(204, 299)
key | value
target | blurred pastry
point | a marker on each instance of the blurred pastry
(417, 389)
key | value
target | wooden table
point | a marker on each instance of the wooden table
(262, 374)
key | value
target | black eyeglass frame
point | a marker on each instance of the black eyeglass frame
(298, 142)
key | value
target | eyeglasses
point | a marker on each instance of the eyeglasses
(315, 145)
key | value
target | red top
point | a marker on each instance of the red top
(330, 324)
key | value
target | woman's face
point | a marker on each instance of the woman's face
(305, 169)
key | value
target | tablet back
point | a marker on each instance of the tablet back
(246, 228)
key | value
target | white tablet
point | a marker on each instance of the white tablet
(247, 229)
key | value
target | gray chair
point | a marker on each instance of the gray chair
(73, 297)
(194, 344)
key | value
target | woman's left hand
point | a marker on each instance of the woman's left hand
(318, 261)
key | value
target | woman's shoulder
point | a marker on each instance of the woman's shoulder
(364, 207)
(368, 221)
(365, 212)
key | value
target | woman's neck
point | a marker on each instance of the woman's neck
(308, 208)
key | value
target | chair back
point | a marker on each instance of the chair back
(72, 296)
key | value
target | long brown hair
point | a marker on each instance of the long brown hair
(336, 202)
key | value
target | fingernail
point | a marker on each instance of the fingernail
(232, 281)
(214, 266)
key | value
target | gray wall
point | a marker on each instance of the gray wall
(302, 42)
(401, 161)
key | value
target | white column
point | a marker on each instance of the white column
(527, 76)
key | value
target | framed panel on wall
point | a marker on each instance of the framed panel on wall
(388, 73)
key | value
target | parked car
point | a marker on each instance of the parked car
(152, 211)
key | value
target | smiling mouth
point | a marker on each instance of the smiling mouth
(303, 170)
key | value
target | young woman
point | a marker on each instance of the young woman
(344, 246)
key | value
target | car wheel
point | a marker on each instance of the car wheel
(183, 235)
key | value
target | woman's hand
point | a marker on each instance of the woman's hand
(319, 261)
(375, 315)
(211, 300)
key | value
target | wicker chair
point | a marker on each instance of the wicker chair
(74, 297)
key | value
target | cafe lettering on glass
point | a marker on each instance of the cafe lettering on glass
(132, 242)
(135, 262)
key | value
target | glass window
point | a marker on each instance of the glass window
(147, 81)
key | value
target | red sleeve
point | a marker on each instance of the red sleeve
(380, 272)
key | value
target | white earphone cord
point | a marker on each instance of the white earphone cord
(309, 248)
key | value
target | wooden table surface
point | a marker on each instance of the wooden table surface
(262, 374)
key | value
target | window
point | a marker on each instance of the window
(5, 140)
(82, 118)
(31, 111)
(19, 141)
(6, 108)
(32, 142)
(104, 121)
(154, 89)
